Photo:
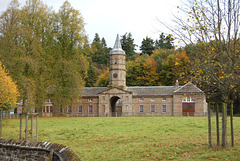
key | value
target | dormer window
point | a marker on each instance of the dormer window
(90, 100)
(152, 99)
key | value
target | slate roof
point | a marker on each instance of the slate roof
(147, 90)
(93, 91)
(187, 88)
(152, 90)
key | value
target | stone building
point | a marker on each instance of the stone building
(119, 100)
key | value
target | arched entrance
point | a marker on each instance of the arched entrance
(116, 106)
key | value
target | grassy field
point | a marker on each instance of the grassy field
(133, 138)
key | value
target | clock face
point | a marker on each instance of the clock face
(115, 75)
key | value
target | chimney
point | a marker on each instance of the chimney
(176, 84)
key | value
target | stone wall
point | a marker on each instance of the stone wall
(28, 151)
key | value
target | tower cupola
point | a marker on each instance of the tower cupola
(117, 69)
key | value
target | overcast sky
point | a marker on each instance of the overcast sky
(111, 17)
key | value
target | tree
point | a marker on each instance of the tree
(128, 46)
(41, 48)
(69, 64)
(101, 51)
(147, 46)
(165, 42)
(22, 48)
(91, 76)
(8, 90)
(213, 26)
(103, 79)
(8, 93)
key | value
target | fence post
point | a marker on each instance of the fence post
(20, 137)
(37, 127)
(224, 124)
(217, 122)
(32, 126)
(1, 115)
(26, 128)
(231, 117)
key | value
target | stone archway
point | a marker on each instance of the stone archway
(116, 106)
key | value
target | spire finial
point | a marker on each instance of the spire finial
(117, 49)
(117, 44)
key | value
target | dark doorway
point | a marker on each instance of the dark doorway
(116, 106)
(188, 109)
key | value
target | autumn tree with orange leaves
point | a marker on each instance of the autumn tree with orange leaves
(8, 93)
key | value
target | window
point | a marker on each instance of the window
(90, 109)
(69, 109)
(164, 99)
(90, 100)
(152, 99)
(48, 101)
(188, 99)
(152, 108)
(140, 99)
(51, 109)
(115, 60)
(164, 108)
(80, 109)
(141, 108)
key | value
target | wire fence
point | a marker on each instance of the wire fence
(112, 114)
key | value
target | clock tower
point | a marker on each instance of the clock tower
(117, 69)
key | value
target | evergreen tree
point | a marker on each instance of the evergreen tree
(128, 46)
(101, 51)
(96, 38)
(91, 76)
(147, 46)
(165, 42)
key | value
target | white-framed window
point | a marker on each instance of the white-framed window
(140, 99)
(164, 108)
(152, 108)
(48, 100)
(90, 100)
(188, 99)
(90, 109)
(164, 99)
(79, 109)
(152, 99)
(141, 108)
(69, 109)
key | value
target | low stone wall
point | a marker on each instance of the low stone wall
(28, 151)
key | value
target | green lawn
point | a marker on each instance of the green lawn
(133, 138)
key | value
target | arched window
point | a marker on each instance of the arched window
(188, 99)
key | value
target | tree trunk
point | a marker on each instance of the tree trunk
(209, 126)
